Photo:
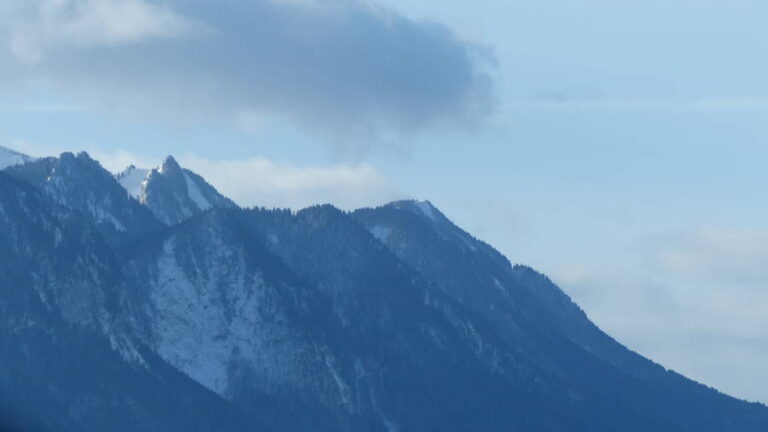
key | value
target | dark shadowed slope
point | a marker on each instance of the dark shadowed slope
(387, 319)
(66, 363)
(534, 316)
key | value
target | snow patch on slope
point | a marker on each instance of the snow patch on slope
(381, 233)
(427, 209)
(106, 217)
(211, 316)
(189, 325)
(343, 388)
(133, 180)
(125, 348)
(468, 241)
(195, 194)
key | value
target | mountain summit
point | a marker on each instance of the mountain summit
(148, 301)
(172, 193)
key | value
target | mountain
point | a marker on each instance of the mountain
(396, 332)
(537, 319)
(81, 183)
(213, 302)
(68, 365)
(390, 319)
(9, 157)
(134, 202)
(213, 317)
(172, 193)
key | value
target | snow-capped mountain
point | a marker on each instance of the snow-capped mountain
(68, 363)
(172, 193)
(81, 183)
(10, 157)
(222, 318)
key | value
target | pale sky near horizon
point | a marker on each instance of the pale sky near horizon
(619, 147)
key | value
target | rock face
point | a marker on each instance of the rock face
(200, 315)
(172, 193)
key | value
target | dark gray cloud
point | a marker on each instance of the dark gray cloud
(349, 68)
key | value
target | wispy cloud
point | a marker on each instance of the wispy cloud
(566, 104)
(43, 108)
(733, 257)
(700, 294)
(266, 183)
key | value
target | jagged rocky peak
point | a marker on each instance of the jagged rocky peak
(81, 161)
(172, 193)
(70, 156)
(169, 166)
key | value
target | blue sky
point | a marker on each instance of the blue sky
(617, 146)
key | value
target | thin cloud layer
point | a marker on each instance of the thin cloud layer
(348, 68)
(264, 183)
(702, 295)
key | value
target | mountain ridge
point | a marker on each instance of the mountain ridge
(387, 318)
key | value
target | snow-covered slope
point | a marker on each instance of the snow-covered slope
(171, 192)
(132, 179)
(9, 157)
(231, 322)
